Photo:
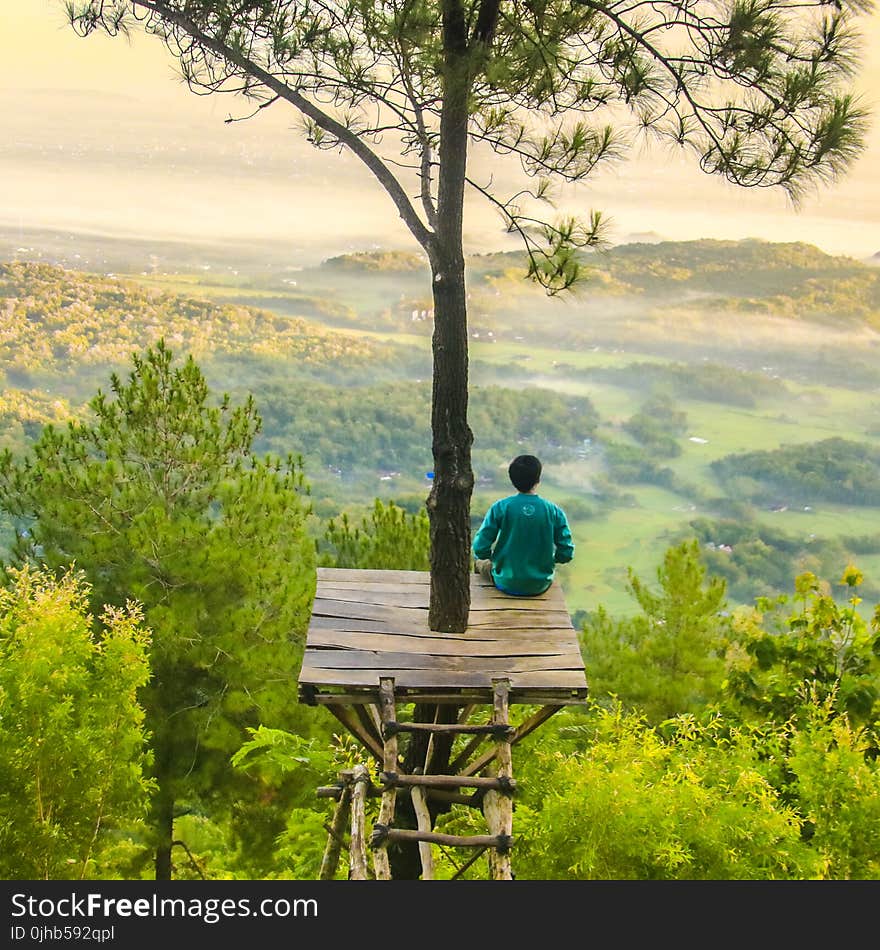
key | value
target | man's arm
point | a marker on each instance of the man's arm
(485, 537)
(562, 539)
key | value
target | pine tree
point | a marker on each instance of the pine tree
(157, 497)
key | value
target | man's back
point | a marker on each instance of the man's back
(530, 536)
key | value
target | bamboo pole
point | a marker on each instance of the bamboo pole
(357, 846)
(381, 862)
(455, 841)
(499, 783)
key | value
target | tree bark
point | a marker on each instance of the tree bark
(163, 826)
(450, 498)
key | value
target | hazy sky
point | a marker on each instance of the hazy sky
(100, 135)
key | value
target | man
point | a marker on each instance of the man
(523, 537)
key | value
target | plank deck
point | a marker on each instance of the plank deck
(370, 624)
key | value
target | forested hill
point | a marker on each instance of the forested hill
(718, 390)
(795, 280)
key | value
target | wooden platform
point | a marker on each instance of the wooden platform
(371, 624)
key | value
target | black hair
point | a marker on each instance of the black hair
(525, 472)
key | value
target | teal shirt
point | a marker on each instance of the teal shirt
(526, 536)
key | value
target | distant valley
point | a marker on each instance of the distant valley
(724, 390)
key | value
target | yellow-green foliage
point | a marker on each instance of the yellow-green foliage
(52, 317)
(72, 743)
(630, 804)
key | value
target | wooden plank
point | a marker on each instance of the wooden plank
(406, 628)
(369, 660)
(333, 586)
(502, 617)
(342, 608)
(358, 575)
(439, 679)
(406, 597)
(419, 615)
(402, 597)
(390, 643)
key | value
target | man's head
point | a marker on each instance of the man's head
(525, 472)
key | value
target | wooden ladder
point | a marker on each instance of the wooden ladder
(493, 790)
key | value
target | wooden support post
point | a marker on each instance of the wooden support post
(423, 817)
(330, 861)
(358, 844)
(388, 714)
(498, 806)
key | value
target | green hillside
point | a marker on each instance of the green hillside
(655, 394)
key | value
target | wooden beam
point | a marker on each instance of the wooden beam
(354, 726)
(532, 723)
(455, 841)
(451, 727)
(529, 696)
(447, 781)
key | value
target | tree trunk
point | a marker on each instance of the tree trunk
(163, 827)
(450, 498)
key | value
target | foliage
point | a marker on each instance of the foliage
(705, 381)
(760, 560)
(836, 470)
(158, 496)
(657, 425)
(54, 318)
(836, 778)
(781, 660)
(389, 538)
(611, 799)
(630, 464)
(384, 429)
(667, 659)
(73, 747)
(276, 756)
